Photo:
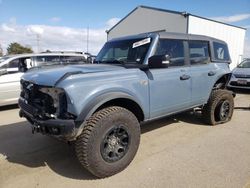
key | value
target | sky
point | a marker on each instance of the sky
(63, 24)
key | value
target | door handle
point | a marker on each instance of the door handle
(185, 77)
(211, 73)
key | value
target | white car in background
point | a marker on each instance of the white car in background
(241, 76)
(13, 67)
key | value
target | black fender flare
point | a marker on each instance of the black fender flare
(92, 106)
(225, 78)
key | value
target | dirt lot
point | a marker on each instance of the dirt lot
(178, 151)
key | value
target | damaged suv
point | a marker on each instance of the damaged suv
(134, 79)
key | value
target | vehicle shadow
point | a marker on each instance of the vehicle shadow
(187, 117)
(243, 108)
(242, 91)
(245, 92)
(18, 145)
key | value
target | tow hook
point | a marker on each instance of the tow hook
(20, 113)
(35, 128)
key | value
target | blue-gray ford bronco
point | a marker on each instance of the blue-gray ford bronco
(134, 79)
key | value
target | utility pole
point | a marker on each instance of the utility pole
(88, 39)
(38, 42)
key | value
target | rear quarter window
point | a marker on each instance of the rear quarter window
(221, 51)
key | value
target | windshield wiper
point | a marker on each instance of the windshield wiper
(115, 61)
(111, 61)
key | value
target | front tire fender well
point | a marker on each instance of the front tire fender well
(92, 106)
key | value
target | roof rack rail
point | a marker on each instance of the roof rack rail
(63, 52)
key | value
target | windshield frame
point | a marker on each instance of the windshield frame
(130, 41)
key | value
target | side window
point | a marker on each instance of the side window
(52, 59)
(173, 48)
(13, 64)
(40, 59)
(73, 59)
(47, 59)
(199, 52)
(221, 51)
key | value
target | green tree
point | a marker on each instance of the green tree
(16, 48)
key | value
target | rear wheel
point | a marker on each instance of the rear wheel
(219, 108)
(109, 141)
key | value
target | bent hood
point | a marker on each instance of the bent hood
(51, 76)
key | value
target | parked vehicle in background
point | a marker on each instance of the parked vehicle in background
(12, 68)
(241, 76)
(134, 79)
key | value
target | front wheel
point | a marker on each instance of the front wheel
(219, 108)
(109, 141)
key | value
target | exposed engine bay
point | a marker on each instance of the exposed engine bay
(45, 108)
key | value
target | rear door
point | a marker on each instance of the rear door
(203, 72)
(170, 88)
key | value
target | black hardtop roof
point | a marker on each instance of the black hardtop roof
(137, 36)
(169, 35)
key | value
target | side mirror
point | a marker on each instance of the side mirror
(159, 61)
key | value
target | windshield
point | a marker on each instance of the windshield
(124, 51)
(244, 64)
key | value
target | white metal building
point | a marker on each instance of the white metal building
(148, 19)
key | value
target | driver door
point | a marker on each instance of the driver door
(10, 82)
(170, 88)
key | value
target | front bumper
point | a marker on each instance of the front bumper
(237, 84)
(239, 80)
(62, 128)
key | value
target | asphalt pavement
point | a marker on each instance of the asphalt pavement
(177, 151)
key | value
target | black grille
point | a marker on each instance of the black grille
(234, 83)
(26, 107)
(242, 75)
(33, 97)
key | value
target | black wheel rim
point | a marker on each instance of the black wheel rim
(224, 110)
(115, 144)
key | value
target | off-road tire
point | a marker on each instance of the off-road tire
(213, 113)
(88, 145)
